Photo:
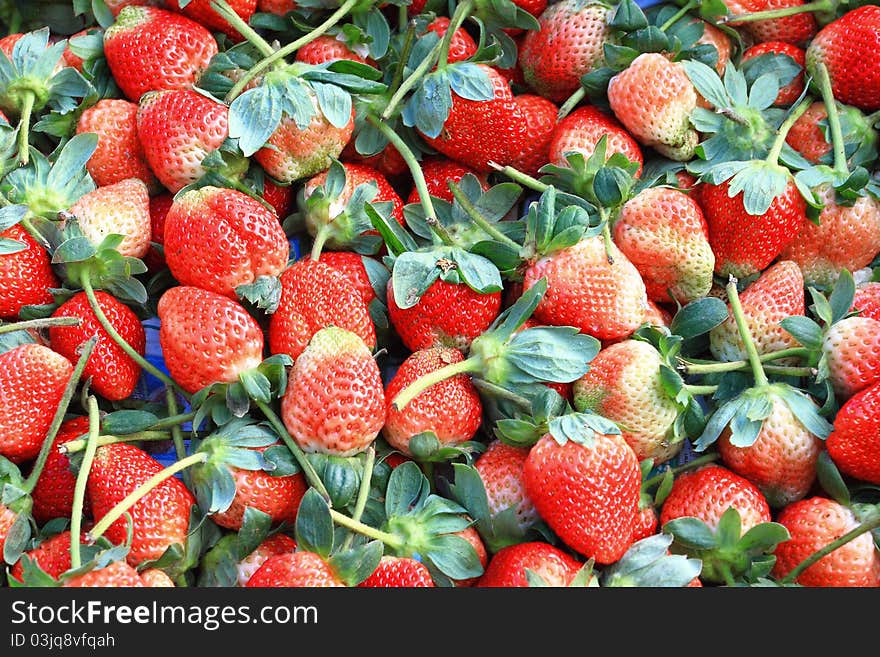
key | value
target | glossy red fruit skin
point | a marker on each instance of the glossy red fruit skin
(501, 469)
(351, 265)
(854, 445)
(358, 174)
(25, 276)
(160, 518)
(159, 206)
(792, 91)
(507, 566)
(32, 382)
(294, 569)
(114, 373)
(327, 48)
(206, 338)
(581, 130)
(53, 492)
(117, 575)
(867, 301)
(202, 12)
(438, 171)
(646, 524)
(461, 47)
(540, 115)
(399, 572)
(447, 314)
(271, 546)
(52, 556)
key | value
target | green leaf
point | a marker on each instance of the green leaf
(760, 184)
(691, 532)
(255, 527)
(72, 160)
(429, 107)
(717, 422)
(469, 491)
(699, 317)
(17, 539)
(11, 215)
(280, 461)
(341, 480)
(514, 317)
(552, 353)
(628, 17)
(477, 272)
(125, 422)
(842, 296)
(454, 557)
(729, 528)
(412, 275)
(764, 91)
(664, 488)
(707, 82)
(335, 103)
(253, 117)
(9, 246)
(831, 480)
(76, 249)
(406, 486)
(314, 525)
(804, 330)
(763, 537)
(395, 237)
(355, 565)
(470, 81)
(806, 411)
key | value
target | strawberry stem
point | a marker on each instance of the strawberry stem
(309, 471)
(461, 13)
(363, 492)
(687, 367)
(320, 239)
(228, 14)
(606, 234)
(493, 390)
(79, 489)
(523, 179)
(746, 335)
(293, 46)
(824, 81)
(176, 435)
(405, 51)
(867, 526)
(472, 211)
(421, 384)
(770, 14)
(141, 491)
(80, 443)
(701, 390)
(406, 86)
(45, 322)
(392, 541)
(677, 470)
(85, 353)
(691, 4)
(782, 133)
(570, 103)
(24, 125)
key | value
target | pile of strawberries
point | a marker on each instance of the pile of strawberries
(591, 294)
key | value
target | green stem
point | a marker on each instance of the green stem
(461, 13)
(523, 179)
(746, 335)
(85, 353)
(291, 47)
(790, 120)
(309, 471)
(477, 216)
(824, 81)
(80, 443)
(118, 339)
(24, 126)
(778, 370)
(867, 526)
(873, 119)
(79, 489)
(493, 390)
(140, 492)
(172, 421)
(363, 492)
(228, 14)
(421, 384)
(606, 234)
(684, 467)
(407, 85)
(176, 435)
(392, 541)
(320, 239)
(570, 103)
(45, 322)
(770, 14)
(726, 574)
(701, 390)
(405, 51)
(681, 12)
(735, 365)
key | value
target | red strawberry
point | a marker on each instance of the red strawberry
(792, 91)
(653, 97)
(438, 171)
(588, 495)
(117, 575)
(280, 197)
(448, 314)
(294, 569)
(806, 135)
(25, 276)
(313, 296)
(53, 492)
(206, 338)
(32, 382)
(854, 445)
(744, 243)
(814, 523)
(327, 48)
(155, 578)
(388, 161)
(848, 48)
(708, 492)
(271, 546)
(777, 294)
(52, 556)
(218, 238)
(461, 47)
(501, 469)
(122, 208)
(606, 300)
(280, 7)
(450, 409)
(177, 130)
(646, 522)
(540, 115)
(479, 132)
(159, 519)
(796, 29)
(720, 41)
(664, 234)
(568, 45)
(7, 520)
(472, 536)
(581, 130)
(203, 12)
(867, 301)
(334, 402)
(119, 154)
(351, 265)
(114, 373)
(851, 348)
(508, 566)
(148, 49)
(159, 206)
(399, 572)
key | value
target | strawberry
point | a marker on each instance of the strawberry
(279, 497)
(204, 13)
(159, 519)
(206, 338)
(271, 546)
(461, 47)
(327, 48)
(806, 135)
(778, 293)
(540, 115)
(587, 494)
(313, 296)
(53, 491)
(155, 578)
(294, 569)
(647, 521)
(568, 45)
(854, 445)
(508, 566)
(472, 536)
(218, 239)
(796, 29)
(814, 523)
(708, 492)
(581, 130)
(279, 7)
(159, 206)
(117, 575)
(388, 161)
(399, 572)
(447, 314)
(114, 373)
(52, 556)
(664, 122)
(177, 130)
(351, 265)
(851, 348)
(119, 154)
(624, 384)
(115, 6)
(32, 382)
(479, 132)
(26, 275)
(848, 48)
(149, 49)
(847, 237)
(604, 299)
(280, 197)
(720, 41)
(334, 402)
(745, 243)
(662, 231)
(501, 469)
(7, 520)
(451, 409)
(792, 91)
(438, 171)
(867, 301)
(122, 208)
